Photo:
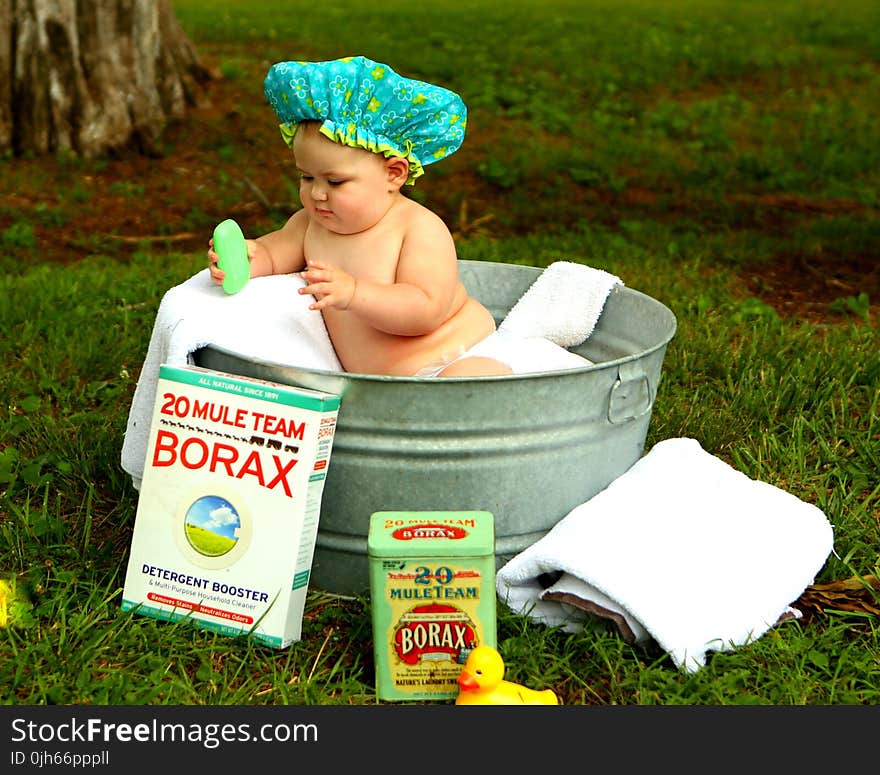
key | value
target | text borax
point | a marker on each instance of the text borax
(195, 453)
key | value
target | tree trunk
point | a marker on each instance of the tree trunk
(93, 76)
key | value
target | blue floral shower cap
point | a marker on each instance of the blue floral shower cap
(365, 104)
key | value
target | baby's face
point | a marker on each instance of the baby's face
(344, 189)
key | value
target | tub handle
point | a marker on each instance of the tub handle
(631, 395)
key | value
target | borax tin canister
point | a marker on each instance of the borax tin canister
(432, 587)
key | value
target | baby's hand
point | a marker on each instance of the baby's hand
(331, 287)
(217, 274)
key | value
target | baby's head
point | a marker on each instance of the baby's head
(309, 140)
(344, 188)
(359, 103)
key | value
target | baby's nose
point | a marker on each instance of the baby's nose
(319, 192)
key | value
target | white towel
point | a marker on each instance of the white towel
(562, 305)
(268, 320)
(682, 548)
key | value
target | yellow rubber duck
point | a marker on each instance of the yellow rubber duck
(481, 683)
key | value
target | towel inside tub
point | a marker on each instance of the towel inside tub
(563, 305)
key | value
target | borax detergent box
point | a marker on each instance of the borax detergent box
(228, 508)
(432, 587)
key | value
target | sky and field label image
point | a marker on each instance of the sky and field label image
(212, 526)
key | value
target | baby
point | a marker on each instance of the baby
(382, 268)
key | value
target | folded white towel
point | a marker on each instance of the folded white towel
(562, 305)
(682, 548)
(268, 320)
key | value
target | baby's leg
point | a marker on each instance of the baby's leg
(476, 366)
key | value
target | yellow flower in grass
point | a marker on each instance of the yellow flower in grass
(14, 607)
(5, 594)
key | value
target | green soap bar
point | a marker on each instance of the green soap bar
(230, 246)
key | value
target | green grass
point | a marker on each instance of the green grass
(699, 102)
(712, 94)
(784, 402)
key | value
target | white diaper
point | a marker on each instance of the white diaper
(524, 355)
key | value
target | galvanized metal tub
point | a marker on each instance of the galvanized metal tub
(528, 448)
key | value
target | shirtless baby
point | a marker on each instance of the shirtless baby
(382, 268)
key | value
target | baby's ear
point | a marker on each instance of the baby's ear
(397, 170)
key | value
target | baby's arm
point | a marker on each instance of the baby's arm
(419, 300)
(278, 252)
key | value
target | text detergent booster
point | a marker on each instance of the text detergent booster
(432, 585)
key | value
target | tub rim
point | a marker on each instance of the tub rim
(380, 378)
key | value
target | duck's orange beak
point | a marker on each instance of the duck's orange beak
(467, 682)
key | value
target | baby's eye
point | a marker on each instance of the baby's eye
(335, 182)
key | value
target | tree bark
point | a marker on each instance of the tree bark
(93, 76)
